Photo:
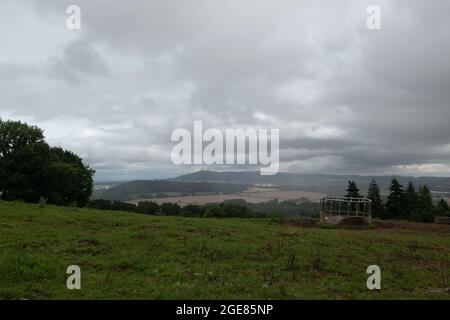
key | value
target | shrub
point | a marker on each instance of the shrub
(148, 207)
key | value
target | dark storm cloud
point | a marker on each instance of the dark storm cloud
(346, 99)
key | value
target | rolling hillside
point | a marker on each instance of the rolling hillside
(131, 256)
(227, 183)
(144, 189)
(331, 184)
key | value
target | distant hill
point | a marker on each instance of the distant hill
(230, 182)
(143, 189)
(330, 184)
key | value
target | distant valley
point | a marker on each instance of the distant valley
(204, 187)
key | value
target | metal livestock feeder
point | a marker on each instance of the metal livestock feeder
(345, 210)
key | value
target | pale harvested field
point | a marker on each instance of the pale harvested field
(252, 195)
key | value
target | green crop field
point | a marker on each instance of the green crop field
(132, 256)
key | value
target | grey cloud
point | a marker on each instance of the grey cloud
(79, 62)
(346, 99)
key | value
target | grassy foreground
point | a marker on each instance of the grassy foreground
(131, 256)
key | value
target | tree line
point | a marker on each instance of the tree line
(223, 210)
(410, 203)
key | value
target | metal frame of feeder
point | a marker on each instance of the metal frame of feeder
(334, 209)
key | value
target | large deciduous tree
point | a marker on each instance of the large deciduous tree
(31, 169)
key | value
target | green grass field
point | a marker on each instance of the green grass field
(131, 256)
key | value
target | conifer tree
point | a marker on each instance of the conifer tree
(426, 209)
(353, 190)
(412, 200)
(396, 205)
(442, 208)
(374, 194)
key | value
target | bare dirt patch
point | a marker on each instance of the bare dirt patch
(413, 226)
(303, 222)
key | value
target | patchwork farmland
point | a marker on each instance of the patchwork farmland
(252, 195)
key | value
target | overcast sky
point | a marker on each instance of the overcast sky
(346, 99)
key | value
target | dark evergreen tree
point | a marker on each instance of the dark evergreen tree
(374, 195)
(442, 208)
(425, 199)
(426, 209)
(353, 190)
(396, 205)
(412, 200)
